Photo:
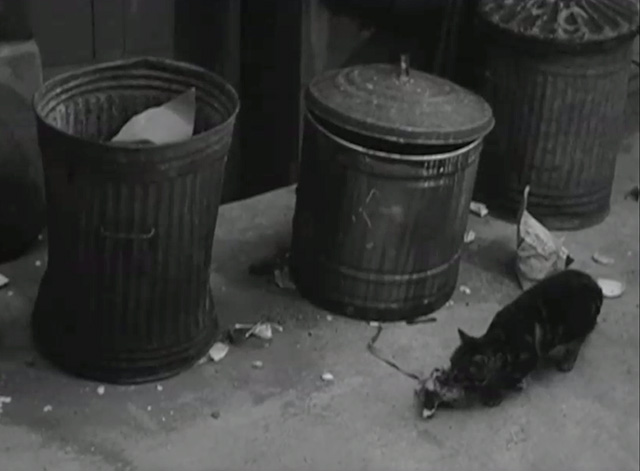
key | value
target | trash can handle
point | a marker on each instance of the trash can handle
(124, 235)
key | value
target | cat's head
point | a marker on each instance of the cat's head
(474, 361)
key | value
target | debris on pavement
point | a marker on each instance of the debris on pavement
(4, 281)
(38, 263)
(374, 324)
(100, 390)
(159, 387)
(257, 365)
(4, 400)
(215, 415)
(218, 351)
(517, 435)
(469, 236)
(327, 377)
(611, 288)
(47, 408)
(602, 259)
(262, 330)
(633, 193)
(329, 317)
(282, 278)
(171, 122)
(449, 303)
(479, 209)
(538, 254)
(465, 289)
(428, 319)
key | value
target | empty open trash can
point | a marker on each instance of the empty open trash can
(125, 296)
(388, 167)
(556, 78)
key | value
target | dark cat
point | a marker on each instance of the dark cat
(550, 321)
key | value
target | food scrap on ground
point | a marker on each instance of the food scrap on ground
(218, 351)
(611, 288)
(602, 259)
(327, 377)
(479, 209)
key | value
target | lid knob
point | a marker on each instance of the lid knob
(404, 67)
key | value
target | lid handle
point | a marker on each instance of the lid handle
(404, 67)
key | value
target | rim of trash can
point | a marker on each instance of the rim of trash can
(150, 63)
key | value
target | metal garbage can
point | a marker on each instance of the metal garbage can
(556, 77)
(388, 166)
(125, 297)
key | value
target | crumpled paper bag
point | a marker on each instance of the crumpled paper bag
(539, 253)
(172, 122)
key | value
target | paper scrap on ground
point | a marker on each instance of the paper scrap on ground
(539, 253)
(4, 281)
(469, 237)
(479, 209)
(603, 259)
(218, 351)
(611, 288)
(172, 122)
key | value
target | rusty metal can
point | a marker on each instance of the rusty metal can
(388, 166)
(556, 76)
(125, 297)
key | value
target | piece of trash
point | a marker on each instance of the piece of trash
(38, 263)
(517, 435)
(611, 288)
(329, 317)
(465, 289)
(171, 122)
(149, 408)
(215, 415)
(203, 360)
(428, 319)
(100, 390)
(449, 303)
(469, 236)
(633, 193)
(538, 254)
(263, 331)
(4, 400)
(9, 293)
(218, 351)
(374, 324)
(479, 209)
(159, 387)
(283, 278)
(4, 281)
(40, 237)
(327, 377)
(47, 409)
(257, 365)
(603, 259)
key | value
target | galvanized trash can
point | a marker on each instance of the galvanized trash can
(556, 78)
(125, 297)
(388, 167)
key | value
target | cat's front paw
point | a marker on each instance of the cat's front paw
(491, 398)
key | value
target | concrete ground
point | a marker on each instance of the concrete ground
(284, 417)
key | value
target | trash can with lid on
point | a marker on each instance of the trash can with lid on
(388, 167)
(125, 297)
(556, 77)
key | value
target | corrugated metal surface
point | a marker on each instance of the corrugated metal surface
(125, 297)
(378, 236)
(558, 128)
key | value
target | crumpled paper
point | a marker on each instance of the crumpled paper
(172, 122)
(539, 253)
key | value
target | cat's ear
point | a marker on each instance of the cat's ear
(464, 337)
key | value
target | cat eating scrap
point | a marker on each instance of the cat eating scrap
(548, 322)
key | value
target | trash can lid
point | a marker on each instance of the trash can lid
(575, 22)
(394, 103)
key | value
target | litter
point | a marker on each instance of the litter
(46, 409)
(539, 253)
(327, 377)
(4, 400)
(603, 259)
(479, 209)
(611, 288)
(469, 237)
(262, 330)
(329, 317)
(38, 263)
(215, 415)
(4, 281)
(257, 365)
(9, 293)
(465, 289)
(149, 408)
(159, 387)
(374, 324)
(282, 278)
(218, 351)
(449, 303)
(172, 122)
(100, 390)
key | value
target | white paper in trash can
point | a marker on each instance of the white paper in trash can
(172, 122)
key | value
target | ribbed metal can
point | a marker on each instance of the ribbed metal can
(125, 297)
(556, 77)
(387, 173)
